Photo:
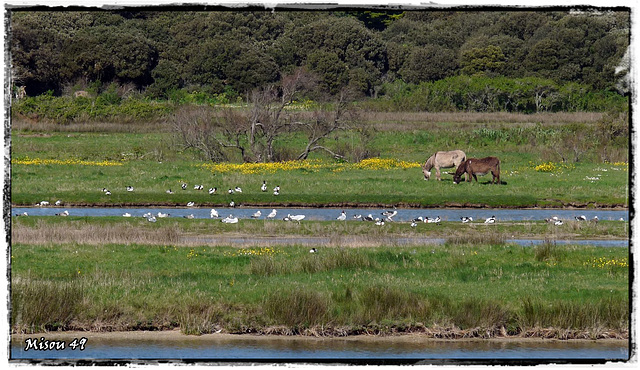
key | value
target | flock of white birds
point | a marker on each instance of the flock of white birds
(387, 216)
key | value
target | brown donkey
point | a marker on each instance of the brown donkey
(478, 166)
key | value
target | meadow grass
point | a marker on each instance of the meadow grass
(472, 290)
(152, 163)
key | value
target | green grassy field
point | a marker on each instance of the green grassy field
(112, 273)
(477, 289)
(82, 165)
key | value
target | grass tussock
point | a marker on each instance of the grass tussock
(44, 305)
(297, 307)
(548, 251)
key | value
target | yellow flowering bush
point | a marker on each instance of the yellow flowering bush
(74, 162)
(309, 165)
(551, 167)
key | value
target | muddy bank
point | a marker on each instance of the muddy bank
(346, 205)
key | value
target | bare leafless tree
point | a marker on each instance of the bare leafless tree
(325, 123)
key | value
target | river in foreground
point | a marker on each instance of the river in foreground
(224, 347)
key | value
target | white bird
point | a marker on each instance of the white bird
(169, 191)
(313, 250)
(413, 224)
(389, 214)
(197, 187)
(264, 186)
(490, 220)
(214, 213)
(256, 215)
(162, 215)
(58, 202)
(232, 204)
(357, 217)
(276, 192)
(342, 217)
(238, 189)
(272, 214)
(230, 191)
(379, 222)
(65, 213)
(147, 215)
(418, 219)
(129, 188)
(581, 218)
(368, 217)
(212, 190)
(466, 219)
(190, 217)
(595, 219)
(126, 214)
(183, 186)
(151, 219)
(558, 222)
(25, 214)
(230, 220)
(107, 192)
(43, 203)
(296, 217)
(104, 190)
(190, 204)
(552, 219)
(621, 219)
(276, 189)
(433, 220)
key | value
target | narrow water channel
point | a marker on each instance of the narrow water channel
(252, 348)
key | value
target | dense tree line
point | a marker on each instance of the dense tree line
(231, 53)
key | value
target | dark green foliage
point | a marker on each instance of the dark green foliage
(237, 51)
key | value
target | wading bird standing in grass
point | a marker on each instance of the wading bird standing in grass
(238, 189)
(389, 214)
(230, 220)
(581, 218)
(183, 186)
(213, 214)
(198, 187)
(272, 214)
(256, 215)
(552, 219)
(169, 191)
(369, 217)
(466, 219)
(342, 217)
(413, 224)
(418, 219)
(490, 220)
(276, 190)
(379, 222)
(558, 222)
(595, 219)
(264, 186)
(129, 188)
(230, 191)
(232, 204)
(296, 217)
(313, 250)
(212, 190)
(429, 220)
